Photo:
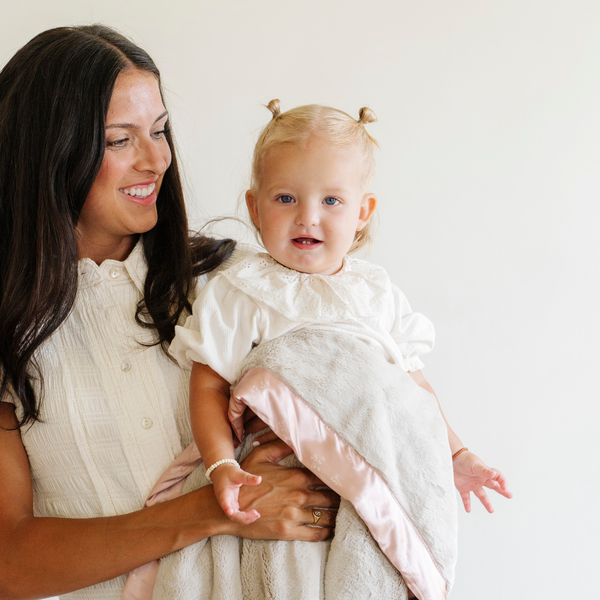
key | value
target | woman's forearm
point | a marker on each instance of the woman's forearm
(41, 557)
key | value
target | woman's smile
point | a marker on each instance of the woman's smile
(141, 193)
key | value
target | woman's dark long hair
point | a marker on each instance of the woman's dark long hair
(54, 98)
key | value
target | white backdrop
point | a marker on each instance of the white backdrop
(488, 181)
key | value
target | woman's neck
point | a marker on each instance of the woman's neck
(100, 250)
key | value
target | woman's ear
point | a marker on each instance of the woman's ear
(252, 204)
(367, 208)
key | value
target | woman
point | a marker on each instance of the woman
(92, 411)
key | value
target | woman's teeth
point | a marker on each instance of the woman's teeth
(139, 192)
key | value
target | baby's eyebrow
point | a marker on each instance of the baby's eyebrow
(134, 125)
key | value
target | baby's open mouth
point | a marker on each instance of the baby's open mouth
(306, 241)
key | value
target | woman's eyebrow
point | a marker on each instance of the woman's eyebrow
(133, 125)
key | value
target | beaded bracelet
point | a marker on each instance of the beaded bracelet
(218, 464)
(459, 452)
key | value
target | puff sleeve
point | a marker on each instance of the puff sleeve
(413, 333)
(224, 326)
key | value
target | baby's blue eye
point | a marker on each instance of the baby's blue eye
(331, 201)
(286, 199)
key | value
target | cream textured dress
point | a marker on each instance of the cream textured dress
(115, 414)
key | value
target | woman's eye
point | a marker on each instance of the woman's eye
(285, 199)
(331, 201)
(159, 134)
(117, 143)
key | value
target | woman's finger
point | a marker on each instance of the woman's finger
(264, 438)
(319, 517)
(324, 498)
(311, 534)
(271, 452)
(254, 425)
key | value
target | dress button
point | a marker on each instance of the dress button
(146, 422)
(125, 367)
(114, 273)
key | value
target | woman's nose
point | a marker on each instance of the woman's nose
(154, 157)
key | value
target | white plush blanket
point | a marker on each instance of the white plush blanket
(375, 437)
(371, 434)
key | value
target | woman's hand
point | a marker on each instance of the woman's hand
(471, 474)
(285, 498)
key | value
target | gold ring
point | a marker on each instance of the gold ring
(316, 516)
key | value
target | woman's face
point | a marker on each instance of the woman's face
(122, 201)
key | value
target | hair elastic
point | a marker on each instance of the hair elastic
(459, 452)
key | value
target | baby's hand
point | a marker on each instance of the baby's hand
(471, 474)
(227, 480)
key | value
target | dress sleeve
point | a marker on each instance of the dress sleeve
(413, 332)
(220, 332)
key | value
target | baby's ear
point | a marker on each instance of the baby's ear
(367, 208)
(252, 204)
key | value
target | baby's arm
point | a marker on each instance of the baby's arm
(471, 474)
(209, 401)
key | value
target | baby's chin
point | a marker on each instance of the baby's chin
(308, 269)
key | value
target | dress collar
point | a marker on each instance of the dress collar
(359, 289)
(134, 266)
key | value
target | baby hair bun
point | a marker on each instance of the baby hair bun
(366, 115)
(275, 107)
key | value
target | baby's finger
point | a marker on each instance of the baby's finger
(466, 500)
(245, 518)
(483, 498)
(482, 470)
(244, 478)
(497, 487)
(501, 479)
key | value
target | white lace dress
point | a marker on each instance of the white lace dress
(257, 300)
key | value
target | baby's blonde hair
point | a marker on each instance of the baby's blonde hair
(323, 123)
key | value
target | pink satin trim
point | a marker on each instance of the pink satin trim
(140, 581)
(339, 466)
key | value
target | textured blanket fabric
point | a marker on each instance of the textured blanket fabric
(375, 411)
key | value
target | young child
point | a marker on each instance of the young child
(310, 201)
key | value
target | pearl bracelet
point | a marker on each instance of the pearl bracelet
(218, 464)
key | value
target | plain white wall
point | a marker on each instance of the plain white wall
(488, 181)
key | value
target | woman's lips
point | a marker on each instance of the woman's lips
(144, 194)
(306, 243)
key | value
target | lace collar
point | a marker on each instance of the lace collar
(360, 289)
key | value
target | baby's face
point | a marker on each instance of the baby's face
(310, 203)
